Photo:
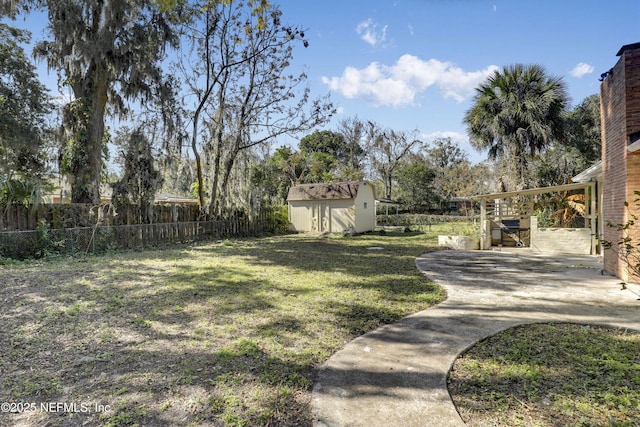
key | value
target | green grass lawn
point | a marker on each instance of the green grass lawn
(227, 333)
(551, 375)
(231, 334)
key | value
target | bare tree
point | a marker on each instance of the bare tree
(244, 94)
(353, 131)
(386, 149)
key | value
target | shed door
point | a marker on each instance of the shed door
(320, 218)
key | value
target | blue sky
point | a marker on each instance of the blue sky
(414, 64)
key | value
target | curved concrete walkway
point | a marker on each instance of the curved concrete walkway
(396, 375)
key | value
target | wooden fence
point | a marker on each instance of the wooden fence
(22, 244)
(54, 216)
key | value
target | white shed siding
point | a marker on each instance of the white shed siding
(342, 217)
(365, 209)
(333, 216)
(333, 208)
(299, 216)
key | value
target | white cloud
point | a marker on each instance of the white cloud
(581, 69)
(398, 84)
(368, 31)
(457, 137)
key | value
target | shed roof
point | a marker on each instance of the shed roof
(325, 191)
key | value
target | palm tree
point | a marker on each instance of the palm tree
(515, 114)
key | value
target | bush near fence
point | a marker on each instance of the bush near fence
(419, 220)
(21, 244)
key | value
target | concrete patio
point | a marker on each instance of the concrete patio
(396, 375)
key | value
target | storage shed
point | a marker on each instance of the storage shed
(335, 207)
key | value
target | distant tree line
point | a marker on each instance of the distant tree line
(207, 91)
(419, 175)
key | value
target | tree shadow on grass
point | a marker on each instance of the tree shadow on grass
(166, 340)
(171, 386)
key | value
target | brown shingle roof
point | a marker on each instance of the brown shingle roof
(325, 191)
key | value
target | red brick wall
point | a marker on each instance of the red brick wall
(633, 184)
(632, 64)
(620, 115)
(612, 114)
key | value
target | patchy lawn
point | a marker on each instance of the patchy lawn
(220, 334)
(550, 375)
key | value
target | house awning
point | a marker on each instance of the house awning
(387, 202)
(533, 191)
(493, 208)
(594, 172)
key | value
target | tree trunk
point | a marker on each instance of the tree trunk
(218, 124)
(92, 94)
(224, 185)
(387, 186)
(213, 203)
(196, 154)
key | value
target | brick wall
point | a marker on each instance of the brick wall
(620, 116)
(633, 184)
(632, 64)
(560, 240)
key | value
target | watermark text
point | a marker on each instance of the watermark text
(54, 407)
